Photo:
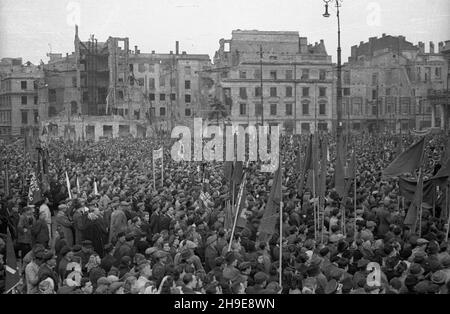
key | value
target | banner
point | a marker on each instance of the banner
(34, 191)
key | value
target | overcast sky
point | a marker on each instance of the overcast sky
(32, 28)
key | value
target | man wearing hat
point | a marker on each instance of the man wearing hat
(108, 260)
(230, 271)
(260, 279)
(159, 268)
(64, 225)
(126, 248)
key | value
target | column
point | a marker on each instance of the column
(433, 116)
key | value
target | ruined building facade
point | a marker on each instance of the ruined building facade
(386, 84)
(296, 80)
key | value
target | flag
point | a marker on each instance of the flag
(11, 269)
(229, 218)
(411, 216)
(339, 175)
(406, 162)
(237, 173)
(228, 170)
(69, 190)
(95, 188)
(34, 191)
(271, 211)
(351, 173)
(6, 183)
(323, 168)
(408, 188)
(307, 165)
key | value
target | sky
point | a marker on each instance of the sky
(32, 28)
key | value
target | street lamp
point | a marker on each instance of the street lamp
(339, 67)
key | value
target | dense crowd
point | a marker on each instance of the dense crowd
(131, 238)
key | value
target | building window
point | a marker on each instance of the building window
(273, 75)
(346, 91)
(187, 99)
(437, 72)
(273, 92)
(151, 68)
(273, 109)
(322, 91)
(258, 109)
(35, 100)
(51, 95)
(305, 108)
(374, 94)
(242, 92)
(288, 74)
(162, 81)
(374, 79)
(242, 74)
(305, 91)
(172, 96)
(257, 91)
(322, 75)
(322, 126)
(162, 111)
(305, 74)
(24, 100)
(305, 128)
(141, 67)
(187, 112)
(36, 116)
(322, 108)
(257, 74)
(289, 109)
(187, 84)
(24, 116)
(151, 96)
(242, 109)
(74, 82)
(288, 91)
(187, 70)
(23, 84)
(162, 97)
(151, 83)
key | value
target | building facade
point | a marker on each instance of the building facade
(20, 106)
(275, 77)
(386, 83)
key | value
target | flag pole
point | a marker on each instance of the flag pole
(241, 191)
(314, 204)
(354, 204)
(448, 212)
(281, 227)
(153, 170)
(162, 166)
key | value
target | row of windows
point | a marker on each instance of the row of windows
(162, 97)
(162, 112)
(288, 74)
(162, 83)
(24, 100)
(288, 109)
(274, 92)
(144, 67)
(25, 116)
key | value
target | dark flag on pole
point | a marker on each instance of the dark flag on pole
(271, 211)
(12, 271)
(413, 211)
(339, 172)
(406, 162)
(307, 165)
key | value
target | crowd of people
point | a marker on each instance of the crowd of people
(132, 237)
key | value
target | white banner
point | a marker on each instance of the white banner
(158, 154)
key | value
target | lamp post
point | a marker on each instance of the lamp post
(339, 68)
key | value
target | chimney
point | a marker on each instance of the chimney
(171, 52)
(177, 47)
(153, 52)
(441, 46)
(384, 35)
(136, 50)
(184, 52)
(303, 45)
(431, 47)
(421, 47)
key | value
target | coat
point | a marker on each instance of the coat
(95, 230)
(39, 232)
(118, 224)
(25, 223)
(65, 226)
(78, 226)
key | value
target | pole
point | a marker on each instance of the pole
(154, 178)
(448, 213)
(162, 166)
(281, 229)
(241, 191)
(314, 204)
(354, 202)
(262, 98)
(339, 74)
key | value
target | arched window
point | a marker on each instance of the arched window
(73, 107)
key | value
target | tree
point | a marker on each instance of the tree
(218, 110)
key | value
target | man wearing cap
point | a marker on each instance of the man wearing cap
(159, 268)
(118, 223)
(64, 225)
(126, 249)
(260, 279)
(85, 253)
